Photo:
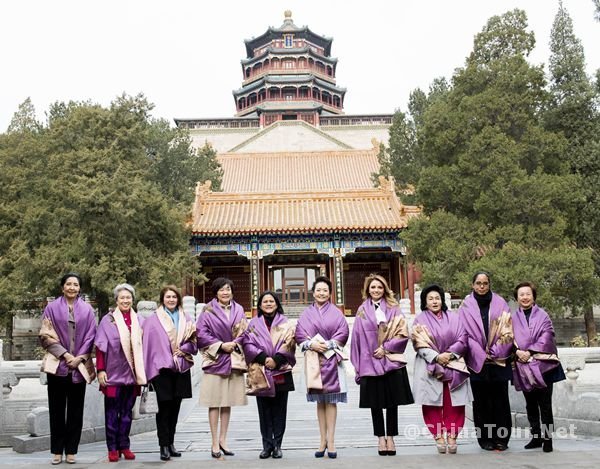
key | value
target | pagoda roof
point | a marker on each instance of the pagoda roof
(375, 209)
(285, 79)
(299, 171)
(288, 26)
(290, 51)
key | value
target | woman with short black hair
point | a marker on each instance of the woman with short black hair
(269, 348)
(537, 366)
(220, 327)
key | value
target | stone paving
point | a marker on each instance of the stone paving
(356, 444)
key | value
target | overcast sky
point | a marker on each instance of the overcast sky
(184, 55)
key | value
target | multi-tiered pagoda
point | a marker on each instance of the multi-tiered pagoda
(289, 74)
(298, 198)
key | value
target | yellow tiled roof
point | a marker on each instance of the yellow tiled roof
(298, 171)
(218, 213)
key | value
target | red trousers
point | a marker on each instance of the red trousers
(445, 419)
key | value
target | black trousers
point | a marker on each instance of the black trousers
(272, 415)
(391, 421)
(65, 405)
(539, 404)
(491, 411)
(166, 421)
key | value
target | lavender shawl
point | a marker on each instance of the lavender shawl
(57, 312)
(444, 335)
(538, 338)
(367, 336)
(214, 327)
(479, 348)
(118, 370)
(331, 324)
(279, 340)
(158, 350)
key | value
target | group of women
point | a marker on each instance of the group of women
(460, 357)
(130, 352)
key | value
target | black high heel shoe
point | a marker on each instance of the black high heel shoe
(226, 452)
(320, 454)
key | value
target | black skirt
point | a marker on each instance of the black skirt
(171, 385)
(389, 390)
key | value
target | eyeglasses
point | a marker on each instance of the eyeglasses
(482, 284)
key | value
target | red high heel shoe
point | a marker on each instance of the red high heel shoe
(113, 456)
(128, 454)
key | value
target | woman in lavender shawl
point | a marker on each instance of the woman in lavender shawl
(322, 332)
(220, 328)
(269, 348)
(169, 349)
(121, 372)
(537, 366)
(486, 317)
(441, 378)
(379, 338)
(67, 336)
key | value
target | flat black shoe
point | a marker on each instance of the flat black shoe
(547, 445)
(264, 454)
(277, 454)
(226, 452)
(382, 452)
(500, 447)
(173, 452)
(391, 452)
(164, 453)
(536, 442)
(487, 445)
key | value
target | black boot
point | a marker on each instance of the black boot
(173, 452)
(164, 453)
(536, 442)
(547, 445)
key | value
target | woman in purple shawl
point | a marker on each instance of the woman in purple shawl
(537, 366)
(269, 348)
(486, 317)
(379, 338)
(121, 372)
(169, 348)
(220, 328)
(322, 332)
(441, 377)
(67, 336)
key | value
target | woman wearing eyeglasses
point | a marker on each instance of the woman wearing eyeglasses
(486, 317)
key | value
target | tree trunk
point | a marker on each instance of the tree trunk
(590, 327)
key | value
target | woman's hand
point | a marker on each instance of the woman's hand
(379, 352)
(72, 362)
(228, 347)
(270, 363)
(178, 353)
(319, 347)
(102, 378)
(444, 358)
(523, 356)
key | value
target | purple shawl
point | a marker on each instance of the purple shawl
(331, 324)
(108, 341)
(366, 335)
(478, 350)
(57, 312)
(537, 337)
(279, 340)
(449, 335)
(213, 328)
(157, 346)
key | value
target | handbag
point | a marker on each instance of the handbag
(148, 401)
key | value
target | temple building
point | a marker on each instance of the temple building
(298, 196)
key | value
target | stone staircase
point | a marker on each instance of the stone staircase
(293, 311)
